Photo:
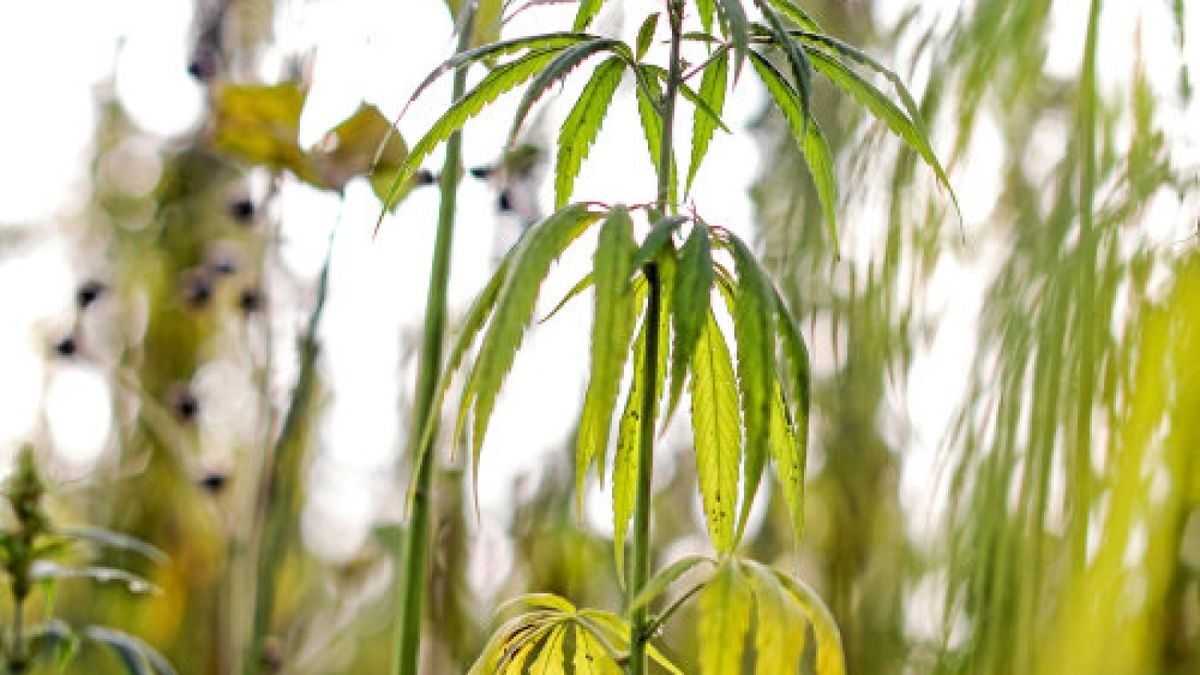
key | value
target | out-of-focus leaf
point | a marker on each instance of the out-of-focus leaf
(830, 658)
(138, 657)
(55, 638)
(260, 125)
(116, 540)
(487, 22)
(817, 155)
(45, 569)
(724, 620)
(665, 577)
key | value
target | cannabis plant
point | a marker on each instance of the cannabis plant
(36, 553)
(654, 299)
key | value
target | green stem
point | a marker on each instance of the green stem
(414, 552)
(639, 624)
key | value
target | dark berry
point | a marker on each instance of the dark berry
(214, 482)
(88, 293)
(66, 347)
(424, 177)
(504, 203)
(242, 210)
(482, 172)
(185, 405)
(250, 300)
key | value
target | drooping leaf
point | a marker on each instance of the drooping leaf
(801, 67)
(615, 630)
(665, 577)
(591, 657)
(550, 658)
(502, 79)
(831, 659)
(56, 639)
(138, 657)
(713, 84)
(588, 9)
(645, 35)
(716, 427)
(612, 329)
(817, 155)
(540, 246)
(554, 71)
(883, 109)
(735, 27)
(46, 569)
(494, 651)
(796, 14)
(724, 620)
(582, 126)
(753, 327)
(779, 625)
(789, 451)
(795, 354)
(625, 460)
(690, 306)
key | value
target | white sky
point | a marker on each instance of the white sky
(55, 51)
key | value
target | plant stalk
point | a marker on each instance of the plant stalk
(414, 552)
(639, 624)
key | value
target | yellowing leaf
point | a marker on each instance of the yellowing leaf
(260, 124)
(724, 621)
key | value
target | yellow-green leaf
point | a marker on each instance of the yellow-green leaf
(582, 126)
(831, 660)
(716, 427)
(260, 125)
(724, 621)
(712, 91)
(612, 329)
(779, 624)
(690, 305)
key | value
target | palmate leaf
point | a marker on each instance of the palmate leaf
(502, 79)
(689, 306)
(716, 427)
(725, 606)
(753, 326)
(557, 69)
(517, 298)
(713, 84)
(582, 126)
(813, 145)
(559, 639)
(883, 109)
(612, 329)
